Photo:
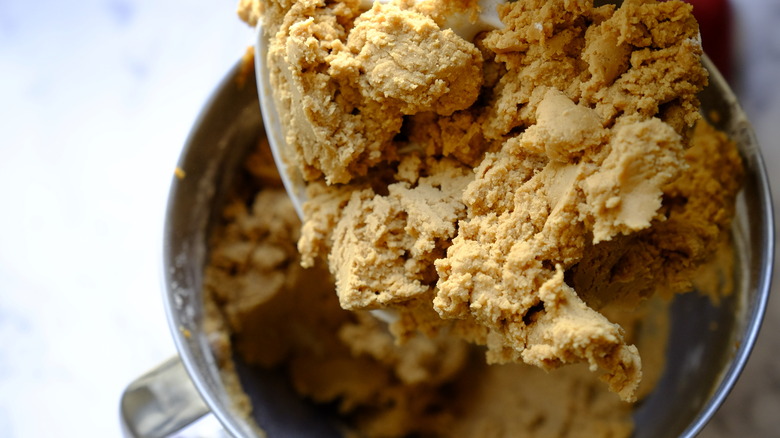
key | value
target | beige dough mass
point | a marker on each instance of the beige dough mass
(502, 190)
(435, 385)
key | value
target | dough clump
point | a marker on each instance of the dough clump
(436, 385)
(507, 189)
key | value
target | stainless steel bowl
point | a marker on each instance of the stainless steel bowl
(702, 366)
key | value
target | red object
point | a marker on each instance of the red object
(715, 23)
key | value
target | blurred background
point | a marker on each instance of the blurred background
(96, 100)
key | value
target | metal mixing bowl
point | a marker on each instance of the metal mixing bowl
(708, 344)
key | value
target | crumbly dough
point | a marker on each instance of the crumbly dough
(435, 385)
(376, 265)
(541, 175)
(347, 81)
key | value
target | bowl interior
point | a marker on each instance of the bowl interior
(708, 344)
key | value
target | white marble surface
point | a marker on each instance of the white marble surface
(96, 98)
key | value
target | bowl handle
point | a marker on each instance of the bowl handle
(160, 402)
